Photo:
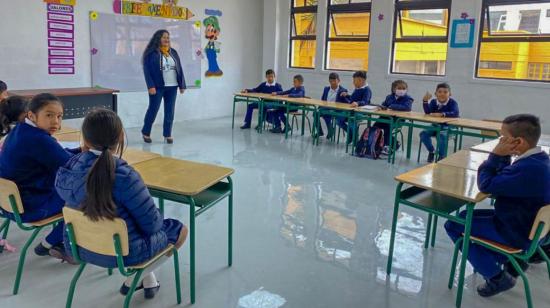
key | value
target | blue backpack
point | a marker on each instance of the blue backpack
(371, 143)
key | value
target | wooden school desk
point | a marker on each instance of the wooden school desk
(488, 147)
(439, 190)
(67, 134)
(77, 101)
(474, 128)
(334, 110)
(248, 98)
(465, 159)
(134, 156)
(199, 185)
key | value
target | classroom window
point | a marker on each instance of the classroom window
(347, 42)
(421, 30)
(303, 33)
(514, 40)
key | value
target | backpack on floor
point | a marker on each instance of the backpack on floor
(371, 143)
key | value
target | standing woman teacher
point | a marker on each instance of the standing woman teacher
(163, 75)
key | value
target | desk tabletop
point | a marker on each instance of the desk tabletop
(67, 130)
(465, 159)
(422, 117)
(476, 124)
(64, 92)
(489, 146)
(451, 181)
(134, 156)
(180, 176)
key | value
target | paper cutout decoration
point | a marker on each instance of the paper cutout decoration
(212, 32)
(64, 2)
(93, 15)
(167, 9)
(380, 17)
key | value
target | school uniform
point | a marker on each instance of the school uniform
(30, 157)
(449, 109)
(280, 113)
(361, 96)
(165, 74)
(398, 103)
(520, 188)
(334, 96)
(148, 231)
(264, 87)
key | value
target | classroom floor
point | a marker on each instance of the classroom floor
(311, 226)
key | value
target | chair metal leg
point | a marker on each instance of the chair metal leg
(230, 225)
(132, 288)
(434, 230)
(393, 227)
(428, 231)
(525, 281)
(110, 271)
(161, 205)
(177, 275)
(22, 259)
(545, 257)
(73, 285)
(4, 229)
(453, 263)
(419, 151)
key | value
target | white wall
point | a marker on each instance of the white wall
(23, 55)
(478, 99)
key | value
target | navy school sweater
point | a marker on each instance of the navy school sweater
(294, 92)
(339, 97)
(401, 103)
(361, 96)
(449, 110)
(264, 88)
(30, 157)
(520, 190)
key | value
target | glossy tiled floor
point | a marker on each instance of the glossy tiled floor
(311, 230)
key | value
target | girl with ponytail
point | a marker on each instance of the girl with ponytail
(12, 110)
(103, 186)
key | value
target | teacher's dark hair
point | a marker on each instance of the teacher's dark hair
(102, 130)
(154, 43)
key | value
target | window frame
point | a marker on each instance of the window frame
(505, 38)
(401, 5)
(312, 9)
(350, 8)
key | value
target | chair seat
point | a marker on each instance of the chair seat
(296, 113)
(498, 246)
(153, 259)
(47, 221)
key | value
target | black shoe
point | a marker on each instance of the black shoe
(397, 146)
(124, 289)
(256, 127)
(440, 158)
(169, 140)
(509, 268)
(276, 130)
(502, 282)
(58, 252)
(150, 292)
(42, 251)
(349, 139)
(330, 134)
(147, 139)
(284, 130)
(431, 157)
(245, 126)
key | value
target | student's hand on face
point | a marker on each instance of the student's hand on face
(427, 97)
(152, 91)
(437, 115)
(354, 104)
(506, 146)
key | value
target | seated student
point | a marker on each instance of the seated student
(267, 87)
(279, 115)
(3, 90)
(521, 188)
(360, 97)
(441, 106)
(398, 100)
(332, 93)
(12, 111)
(30, 158)
(104, 186)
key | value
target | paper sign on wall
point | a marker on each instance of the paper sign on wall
(61, 55)
(166, 9)
(462, 33)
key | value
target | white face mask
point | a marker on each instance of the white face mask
(400, 93)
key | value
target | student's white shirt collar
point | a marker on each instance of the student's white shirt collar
(444, 103)
(96, 152)
(530, 152)
(271, 84)
(31, 123)
(366, 85)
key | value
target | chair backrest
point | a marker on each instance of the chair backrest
(7, 189)
(543, 216)
(97, 236)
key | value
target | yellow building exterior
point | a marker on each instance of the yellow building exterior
(508, 60)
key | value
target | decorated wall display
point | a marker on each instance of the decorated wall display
(60, 25)
(165, 9)
(213, 47)
(462, 33)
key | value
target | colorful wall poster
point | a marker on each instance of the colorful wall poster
(213, 47)
(462, 33)
(60, 25)
(166, 9)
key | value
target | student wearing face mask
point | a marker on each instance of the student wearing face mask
(398, 100)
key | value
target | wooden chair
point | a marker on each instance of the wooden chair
(10, 202)
(540, 229)
(108, 237)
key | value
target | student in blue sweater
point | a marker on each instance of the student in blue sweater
(279, 115)
(3, 90)
(441, 106)
(267, 87)
(30, 157)
(106, 187)
(521, 188)
(332, 93)
(360, 97)
(398, 100)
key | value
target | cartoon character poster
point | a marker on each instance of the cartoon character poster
(212, 32)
